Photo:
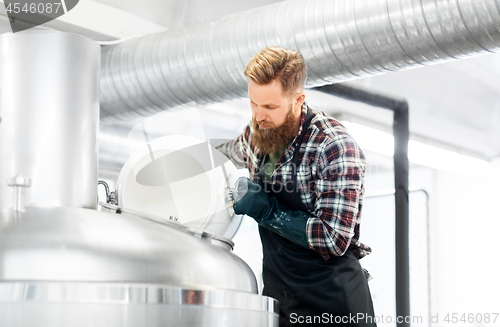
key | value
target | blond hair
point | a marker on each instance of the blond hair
(271, 63)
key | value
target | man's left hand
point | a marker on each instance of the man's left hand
(250, 199)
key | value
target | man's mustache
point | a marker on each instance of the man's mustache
(263, 125)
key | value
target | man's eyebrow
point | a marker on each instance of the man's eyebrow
(265, 104)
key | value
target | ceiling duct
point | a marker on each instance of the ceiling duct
(340, 39)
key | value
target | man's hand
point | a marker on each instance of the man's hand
(250, 199)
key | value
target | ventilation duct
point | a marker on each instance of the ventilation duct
(340, 39)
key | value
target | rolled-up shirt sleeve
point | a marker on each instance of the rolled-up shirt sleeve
(339, 190)
(237, 149)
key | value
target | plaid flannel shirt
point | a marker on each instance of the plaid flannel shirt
(330, 176)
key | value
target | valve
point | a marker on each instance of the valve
(19, 183)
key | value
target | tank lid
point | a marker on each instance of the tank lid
(183, 177)
(206, 236)
(63, 244)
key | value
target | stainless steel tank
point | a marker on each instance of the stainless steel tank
(82, 267)
(63, 264)
(49, 105)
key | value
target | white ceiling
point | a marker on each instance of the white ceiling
(456, 104)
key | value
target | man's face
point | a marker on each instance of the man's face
(275, 116)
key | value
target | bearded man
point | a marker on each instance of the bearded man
(305, 191)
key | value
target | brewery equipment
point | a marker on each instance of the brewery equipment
(62, 262)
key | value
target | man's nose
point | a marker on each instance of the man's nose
(260, 115)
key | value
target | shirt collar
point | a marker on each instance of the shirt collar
(302, 119)
(303, 114)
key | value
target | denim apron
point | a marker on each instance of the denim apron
(329, 292)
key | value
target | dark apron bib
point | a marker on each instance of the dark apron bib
(304, 284)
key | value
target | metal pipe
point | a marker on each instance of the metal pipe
(340, 39)
(401, 132)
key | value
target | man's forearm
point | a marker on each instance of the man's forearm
(232, 150)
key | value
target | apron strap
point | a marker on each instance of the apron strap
(307, 122)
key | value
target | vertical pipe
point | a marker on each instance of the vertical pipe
(49, 109)
(401, 171)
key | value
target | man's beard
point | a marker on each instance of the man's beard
(272, 139)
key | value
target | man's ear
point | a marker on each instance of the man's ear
(300, 98)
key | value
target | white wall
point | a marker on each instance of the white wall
(463, 232)
(378, 231)
(467, 232)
